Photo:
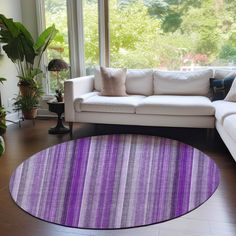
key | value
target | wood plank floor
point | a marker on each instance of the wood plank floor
(216, 217)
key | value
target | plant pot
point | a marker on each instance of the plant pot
(26, 90)
(60, 99)
(31, 114)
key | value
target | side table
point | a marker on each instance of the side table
(58, 108)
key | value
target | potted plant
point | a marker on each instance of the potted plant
(2, 146)
(59, 95)
(28, 105)
(2, 120)
(24, 52)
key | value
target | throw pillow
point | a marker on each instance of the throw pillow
(220, 87)
(113, 82)
(231, 96)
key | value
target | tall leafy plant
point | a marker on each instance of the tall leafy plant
(21, 48)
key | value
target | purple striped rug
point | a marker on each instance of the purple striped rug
(114, 181)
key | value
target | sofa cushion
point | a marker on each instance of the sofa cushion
(82, 98)
(182, 82)
(224, 109)
(176, 105)
(139, 81)
(230, 126)
(99, 103)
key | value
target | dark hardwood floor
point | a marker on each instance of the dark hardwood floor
(215, 217)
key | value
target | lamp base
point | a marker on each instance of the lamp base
(58, 130)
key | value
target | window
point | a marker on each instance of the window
(133, 35)
(91, 35)
(172, 34)
(164, 34)
(56, 13)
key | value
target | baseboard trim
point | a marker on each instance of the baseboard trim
(16, 116)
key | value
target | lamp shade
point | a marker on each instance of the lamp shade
(57, 65)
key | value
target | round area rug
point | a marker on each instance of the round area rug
(114, 181)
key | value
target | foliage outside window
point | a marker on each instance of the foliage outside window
(91, 35)
(165, 34)
(56, 12)
(171, 34)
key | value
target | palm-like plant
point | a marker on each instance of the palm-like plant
(22, 50)
(26, 103)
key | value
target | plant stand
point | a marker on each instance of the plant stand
(58, 108)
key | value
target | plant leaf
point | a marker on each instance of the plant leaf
(14, 50)
(2, 80)
(45, 39)
(28, 50)
(25, 32)
(9, 25)
(35, 71)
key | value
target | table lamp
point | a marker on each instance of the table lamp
(58, 65)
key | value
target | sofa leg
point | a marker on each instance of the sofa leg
(71, 129)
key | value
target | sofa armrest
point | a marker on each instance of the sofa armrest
(74, 88)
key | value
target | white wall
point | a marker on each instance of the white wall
(11, 9)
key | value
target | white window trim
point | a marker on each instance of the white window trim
(41, 24)
(103, 16)
(76, 37)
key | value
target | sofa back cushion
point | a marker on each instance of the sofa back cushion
(182, 82)
(138, 81)
(221, 74)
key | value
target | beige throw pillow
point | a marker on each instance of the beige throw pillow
(113, 82)
(231, 96)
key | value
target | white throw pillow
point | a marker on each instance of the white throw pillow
(139, 81)
(231, 96)
(182, 82)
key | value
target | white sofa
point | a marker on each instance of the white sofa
(156, 98)
(226, 123)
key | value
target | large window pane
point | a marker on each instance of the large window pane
(56, 13)
(172, 34)
(91, 35)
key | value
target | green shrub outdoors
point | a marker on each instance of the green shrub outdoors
(155, 33)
